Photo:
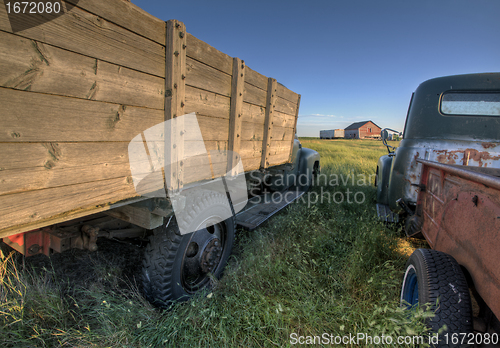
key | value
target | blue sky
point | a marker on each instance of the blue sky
(350, 60)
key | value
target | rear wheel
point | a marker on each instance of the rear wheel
(436, 278)
(177, 266)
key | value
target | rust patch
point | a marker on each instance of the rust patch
(480, 156)
(487, 145)
(449, 157)
(452, 157)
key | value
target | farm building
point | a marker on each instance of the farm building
(362, 130)
(331, 134)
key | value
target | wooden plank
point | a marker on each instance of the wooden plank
(280, 133)
(254, 95)
(127, 15)
(250, 149)
(175, 90)
(203, 52)
(280, 146)
(251, 163)
(277, 159)
(77, 214)
(294, 128)
(35, 166)
(62, 202)
(256, 79)
(30, 65)
(206, 103)
(268, 124)
(252, 132)
(213, 129)
(175, 69)
(287, 94)
(85, 33)
(253, 113)
(286, 106)
(235, 119)
(205, 77)
(283, 120)
(215, 145)
(49, 118)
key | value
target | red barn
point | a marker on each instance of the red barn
(362, 130)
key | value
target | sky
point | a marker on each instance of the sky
(351, 60)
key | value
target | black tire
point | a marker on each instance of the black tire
(176, 266)
(436, 278)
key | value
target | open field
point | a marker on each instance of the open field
(323, 265)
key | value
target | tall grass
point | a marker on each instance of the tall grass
(315, 268)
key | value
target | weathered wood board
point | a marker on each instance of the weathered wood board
(76, 91)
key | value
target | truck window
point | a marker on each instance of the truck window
(471, 103)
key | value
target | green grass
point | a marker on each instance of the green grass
(327, 268)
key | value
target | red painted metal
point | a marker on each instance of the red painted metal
(43, 241)
(459, 210)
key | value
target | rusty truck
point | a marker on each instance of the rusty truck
(443, 181)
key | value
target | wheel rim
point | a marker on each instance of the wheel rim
(203, 254)
(409, 294)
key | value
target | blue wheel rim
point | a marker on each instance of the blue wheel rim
(410, 288)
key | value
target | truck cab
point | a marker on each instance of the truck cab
(452, 120)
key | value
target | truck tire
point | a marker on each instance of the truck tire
(435, 277)
(176, 266)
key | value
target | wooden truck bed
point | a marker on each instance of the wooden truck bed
(76, 90)
(459, 208)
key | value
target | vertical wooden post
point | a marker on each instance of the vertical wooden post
(268, 123)
(294, 128)
(175, 72)
(235, 119)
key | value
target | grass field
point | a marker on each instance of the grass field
(323, 267)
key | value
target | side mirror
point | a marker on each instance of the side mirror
(384, 134)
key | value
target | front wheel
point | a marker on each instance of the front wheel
(436, 278)
(176, 266)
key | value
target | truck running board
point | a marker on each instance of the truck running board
(262, 207)
(385, 214)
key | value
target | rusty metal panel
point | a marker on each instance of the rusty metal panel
(460, 210)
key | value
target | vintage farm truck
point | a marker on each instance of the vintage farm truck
(444, 180)
(116, 124)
